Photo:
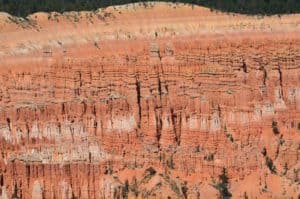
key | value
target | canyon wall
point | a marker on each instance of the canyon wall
(149, 101)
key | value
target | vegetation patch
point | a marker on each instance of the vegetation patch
(149, 173)
(125, 190)
(210, 157)
(223, 185)
(275, 128)
(174, 187)
(230, 137)
(184, 190)
(170, 163)
(270, 165)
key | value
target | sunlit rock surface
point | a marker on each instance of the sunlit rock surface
(149, 101)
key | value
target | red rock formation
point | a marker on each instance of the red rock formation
(149, 103)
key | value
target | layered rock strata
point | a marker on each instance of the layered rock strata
(149, 101)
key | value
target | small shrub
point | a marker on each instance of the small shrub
(281, 140)
(210, 157)
(134, 187)
(223, 177)
(108, 169)
(222, 186)
(170, 163)
(264, 151)
(151, 171)
(299, 126)
(275, 128)
(174, 187)
(184, 190)
(230, 137)
(270, 165)
(125, 190)
(285, 169)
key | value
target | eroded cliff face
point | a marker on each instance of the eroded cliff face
(135, 102)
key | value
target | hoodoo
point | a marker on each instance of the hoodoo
(157, 100)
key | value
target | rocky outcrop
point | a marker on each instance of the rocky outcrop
(149, 103)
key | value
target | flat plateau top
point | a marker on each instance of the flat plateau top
(133, 22)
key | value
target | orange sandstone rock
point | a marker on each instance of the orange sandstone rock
(149, 102)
